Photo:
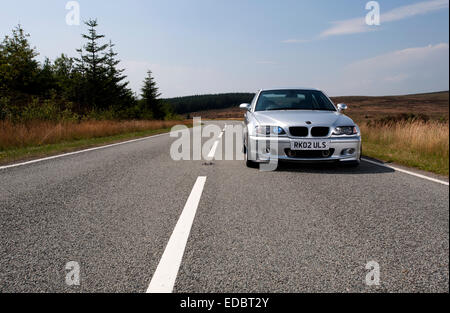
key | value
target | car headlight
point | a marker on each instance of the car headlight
(269, 131)
(345, 130)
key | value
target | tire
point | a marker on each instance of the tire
(249, 163)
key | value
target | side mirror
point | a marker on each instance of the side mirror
(342, 107)
(245, 106)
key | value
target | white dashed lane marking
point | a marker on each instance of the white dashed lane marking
(164, 278)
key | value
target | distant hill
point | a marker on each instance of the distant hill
(190, 104)
(435, 105)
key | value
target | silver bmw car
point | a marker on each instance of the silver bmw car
(300, 125)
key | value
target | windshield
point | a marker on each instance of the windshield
(273, 100)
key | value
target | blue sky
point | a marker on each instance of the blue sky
(212, 46)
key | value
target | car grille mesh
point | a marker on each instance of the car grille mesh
(320, 131)
(299, 131)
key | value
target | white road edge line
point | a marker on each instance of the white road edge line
(80, 151)
(164, 278)
(407, 172)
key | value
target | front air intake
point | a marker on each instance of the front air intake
(299, 131)
(309, 154)
(320, 131)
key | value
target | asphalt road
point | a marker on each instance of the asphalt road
(301, 228)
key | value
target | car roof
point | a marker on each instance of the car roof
(290, 88)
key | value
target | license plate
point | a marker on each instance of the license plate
(309, 145)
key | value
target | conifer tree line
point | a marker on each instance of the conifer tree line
(90, 85)
(190, 104)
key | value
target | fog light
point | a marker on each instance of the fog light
(348, 151)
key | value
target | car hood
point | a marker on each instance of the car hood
(300, 118)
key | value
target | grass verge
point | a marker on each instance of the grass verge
(415, 144)
(71, 139)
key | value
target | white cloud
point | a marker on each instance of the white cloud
(420, 8)
(352, 26)
(404, 71)
(400, 58)
(358, 25)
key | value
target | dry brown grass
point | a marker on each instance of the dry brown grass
(418, 144)
(39, 133)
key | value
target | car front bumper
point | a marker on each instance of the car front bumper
(263, 149)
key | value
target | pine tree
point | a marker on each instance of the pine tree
(117, 88)
(93, 64)
(63, 71)
(18, 66)
(150, 95)
(46, 79)
(114, 74)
